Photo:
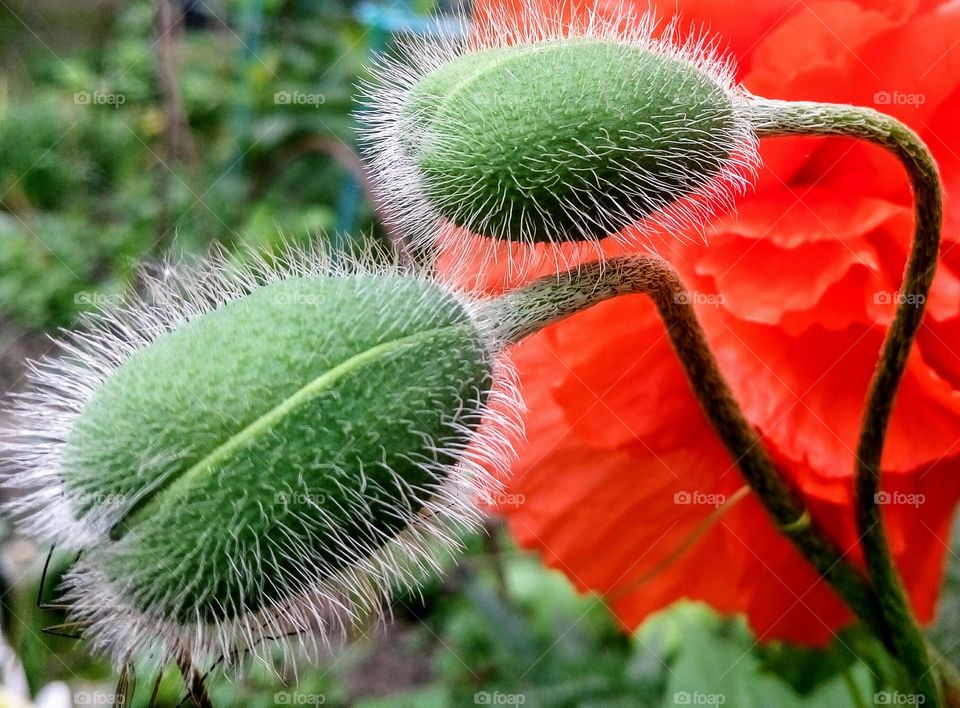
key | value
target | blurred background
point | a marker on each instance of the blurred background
(130, 129)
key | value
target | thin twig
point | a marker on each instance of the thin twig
(177, 139)
(193, 680)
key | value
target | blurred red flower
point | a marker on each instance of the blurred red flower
(624, 486)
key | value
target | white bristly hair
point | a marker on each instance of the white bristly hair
(387, 123)
(59, 387)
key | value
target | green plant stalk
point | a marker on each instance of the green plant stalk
(525, 311)
(778, 118)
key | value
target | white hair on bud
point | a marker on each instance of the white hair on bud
(173, 294)
(387, 125)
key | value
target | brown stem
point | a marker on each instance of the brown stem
(193, 680)
(177, 139)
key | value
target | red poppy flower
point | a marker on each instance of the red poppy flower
(625, 487)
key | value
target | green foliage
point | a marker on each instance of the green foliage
(89, 183)
(518, 630)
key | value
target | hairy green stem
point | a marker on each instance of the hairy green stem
(778, 118)
(525, 311)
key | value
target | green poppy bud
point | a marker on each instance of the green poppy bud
(269, 463)
(556, 133)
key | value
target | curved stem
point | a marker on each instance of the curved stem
(778, 118)
(525, 311)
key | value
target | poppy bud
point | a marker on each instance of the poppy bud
(266, 464)
(546, 132)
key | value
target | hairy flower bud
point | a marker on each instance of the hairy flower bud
(266, 461)
(552, 132)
